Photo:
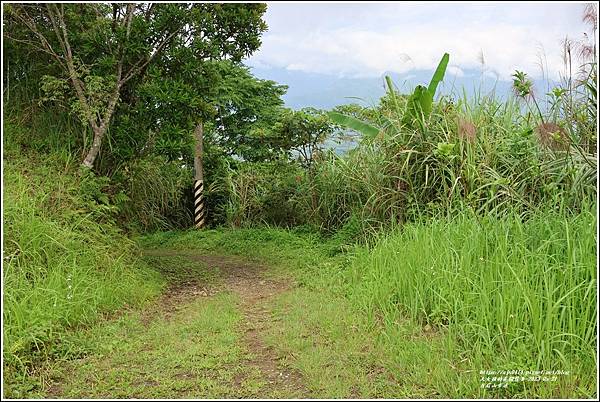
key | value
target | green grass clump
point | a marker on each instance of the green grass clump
(434, 302)
(65, 264)
(268, 244)
(196, 353)
(519, 293)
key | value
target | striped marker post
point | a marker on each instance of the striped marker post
(199, 209)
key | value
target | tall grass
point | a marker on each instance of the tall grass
(520, 293)
(418, 156)
(146, 193)
(152, 194)
(64, 263)
(476, 152)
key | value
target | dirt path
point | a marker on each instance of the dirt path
(203, 338)
(228, 327)
(254, 289)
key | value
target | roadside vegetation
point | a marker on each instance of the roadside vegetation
(458, 236)
(65, 263)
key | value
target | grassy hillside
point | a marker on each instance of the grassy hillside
(65, 263)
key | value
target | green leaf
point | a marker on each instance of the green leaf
(366, 129)
(426, 102)
(390, 84)
(419, 104)
(391, 91)
(438, 75)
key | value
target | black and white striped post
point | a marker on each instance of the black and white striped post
(199, 205)
(199, 209)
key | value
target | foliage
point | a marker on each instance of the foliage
(477, 152)
(415, 113)
(353, 123)
(103, 51)
(495, 293)
(65, 263)
(230, 102)
(150, 194)
(245, 109)
(302, 133)
(262, 193)
(420, 103)
(517, 293)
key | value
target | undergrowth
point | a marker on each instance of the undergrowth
(503, 293)
(65, 263)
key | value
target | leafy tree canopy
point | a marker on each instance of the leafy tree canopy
(103, 53)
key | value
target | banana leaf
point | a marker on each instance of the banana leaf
(419, 104)
(440, 71)
(355, 124)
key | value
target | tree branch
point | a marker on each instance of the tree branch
(60, 26)
(30, 23)
(137, 67)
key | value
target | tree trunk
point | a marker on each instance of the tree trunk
(100, 130)
(199, 207)
(90, 158)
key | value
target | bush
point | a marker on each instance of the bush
(268, 193)
(151, 194)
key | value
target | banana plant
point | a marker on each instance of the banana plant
(420, 103)
(418, 107)
(355, 124)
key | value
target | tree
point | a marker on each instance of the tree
(220, 102)
(104, 51)
(302, 133)
(244, 108)
(235, 109)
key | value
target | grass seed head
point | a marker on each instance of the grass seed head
(466, 130)
(553, 136)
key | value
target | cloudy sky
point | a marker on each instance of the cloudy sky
(368, 39)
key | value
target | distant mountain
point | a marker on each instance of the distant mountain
(324, 91)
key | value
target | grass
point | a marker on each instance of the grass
(313, 329)
(194, 347)
(417, 315)
(369, 323)
(181, 348)
(195, 352)
(515, 294)
(480, 152)
(277, 247)
(65, 265)
(504, 293)
(341, 356)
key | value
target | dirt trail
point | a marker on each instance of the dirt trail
(248, 280)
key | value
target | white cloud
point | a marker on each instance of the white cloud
(297, 67)
(369, 39)
(455, 70)
(491, 73)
